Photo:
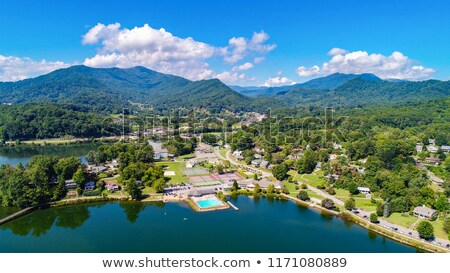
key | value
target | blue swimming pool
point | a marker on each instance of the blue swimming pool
(208, 203)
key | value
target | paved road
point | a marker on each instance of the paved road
(361, 213)
(383, 223)
(234, 162)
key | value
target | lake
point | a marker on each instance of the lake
(23, 154)
(261, 225)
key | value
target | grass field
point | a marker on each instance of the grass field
(188, 156)
(342, 193)
(148, 190)
(362, 203)
(223, 152)
(439, 231)
(402, 219)
(291, 187)
(313, 194)
(178, 168)
(313, 179)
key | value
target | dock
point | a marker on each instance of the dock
(16, 215)
(233, 206)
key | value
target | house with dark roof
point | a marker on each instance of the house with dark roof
(424, 212)
(70, 184)
(89, 186)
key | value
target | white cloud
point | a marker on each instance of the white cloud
(13, 68)
(304, 71)
(337, 51)
(153, 48)
(243, 67)
(278, 80)
(258, 60)
(396, 65)
(234, 77)
(239, 47)
(162, 51)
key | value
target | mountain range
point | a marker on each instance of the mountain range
(112, 89)
(109, 90)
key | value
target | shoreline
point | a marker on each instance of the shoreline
(344, 216)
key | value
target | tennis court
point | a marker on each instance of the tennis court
(195, 171)
(204, 180)
(229, 176)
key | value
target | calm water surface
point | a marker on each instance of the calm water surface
(261, 225)
(23, 154)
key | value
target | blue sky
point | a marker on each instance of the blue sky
(275, 43)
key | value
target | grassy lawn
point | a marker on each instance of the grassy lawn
(365, 204)
(402, 219)
(313, 179)
(148, 190)
(313, 194)
(188, 156)
(178, 168)
(223, 152)
(342, 192)
(291, 186)
(439, 231)
(295, 175)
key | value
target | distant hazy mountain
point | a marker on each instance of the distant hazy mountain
(107, 90)
(110, 89)
(362, 92)
(335, 80)
(328, 82)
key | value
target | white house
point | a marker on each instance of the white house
(158, 151)
(364, 190)
(424, 212)
(419, 148)
(445, 148)
(191, 163)
(433, 149)
(337, 146)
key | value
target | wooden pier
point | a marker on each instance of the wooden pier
(233, 206)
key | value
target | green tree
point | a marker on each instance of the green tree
(426, 230)
(255, 176)
(352, 188)
(442, 204)
(309, 162)
(280, 171)
(80, 177)
(328, 203)
(380, 209)
(349, 204)
(219, 168)
(446, 164)
(257, 188)
(447, 224)
(270, 189)
(159, 184)
(303, 195)
(373, 217)
(67, 166)
(235, 186)
(133, 190)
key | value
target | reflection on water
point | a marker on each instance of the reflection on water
(274, 226)
(22, 154)
(39, 222)
(132, 210)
